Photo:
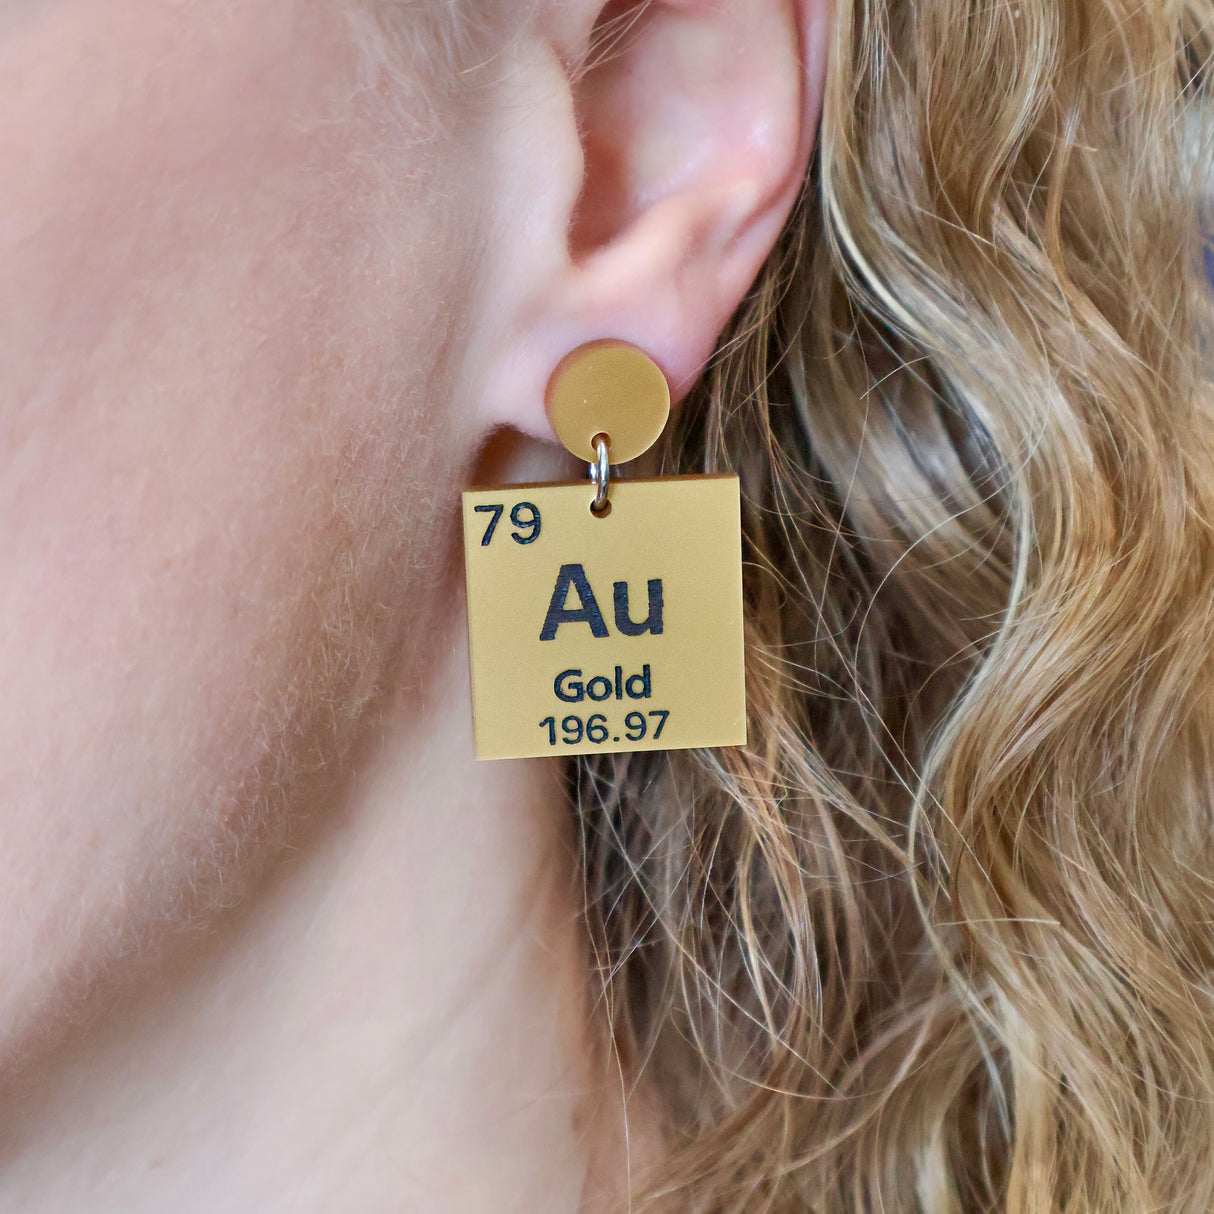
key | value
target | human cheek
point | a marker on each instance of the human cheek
(213, 378)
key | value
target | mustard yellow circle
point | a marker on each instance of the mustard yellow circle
(611, 388)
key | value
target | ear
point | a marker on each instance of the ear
(647, 157)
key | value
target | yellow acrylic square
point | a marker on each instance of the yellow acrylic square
(617, 633)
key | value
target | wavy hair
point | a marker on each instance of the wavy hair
(941, 938)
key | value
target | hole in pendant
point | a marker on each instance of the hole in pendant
(606, 510)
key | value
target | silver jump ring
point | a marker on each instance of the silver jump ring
(600, 473)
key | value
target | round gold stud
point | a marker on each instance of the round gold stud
(610, 388)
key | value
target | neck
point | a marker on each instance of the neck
(398, 1020)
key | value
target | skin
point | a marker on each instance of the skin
(271, 939)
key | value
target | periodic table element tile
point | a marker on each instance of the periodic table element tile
(620, 633)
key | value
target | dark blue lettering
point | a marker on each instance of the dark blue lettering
(651, 623)
(639, 686)
(599, 688)
(568, 686)
(586, 613)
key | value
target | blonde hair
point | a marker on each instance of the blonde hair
(942, 937)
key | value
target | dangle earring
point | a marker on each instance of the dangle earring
(606, 616)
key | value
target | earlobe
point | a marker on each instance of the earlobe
(695, 120)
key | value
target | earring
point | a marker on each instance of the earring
(606, 616)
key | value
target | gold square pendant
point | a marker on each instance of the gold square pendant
(593, 634)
